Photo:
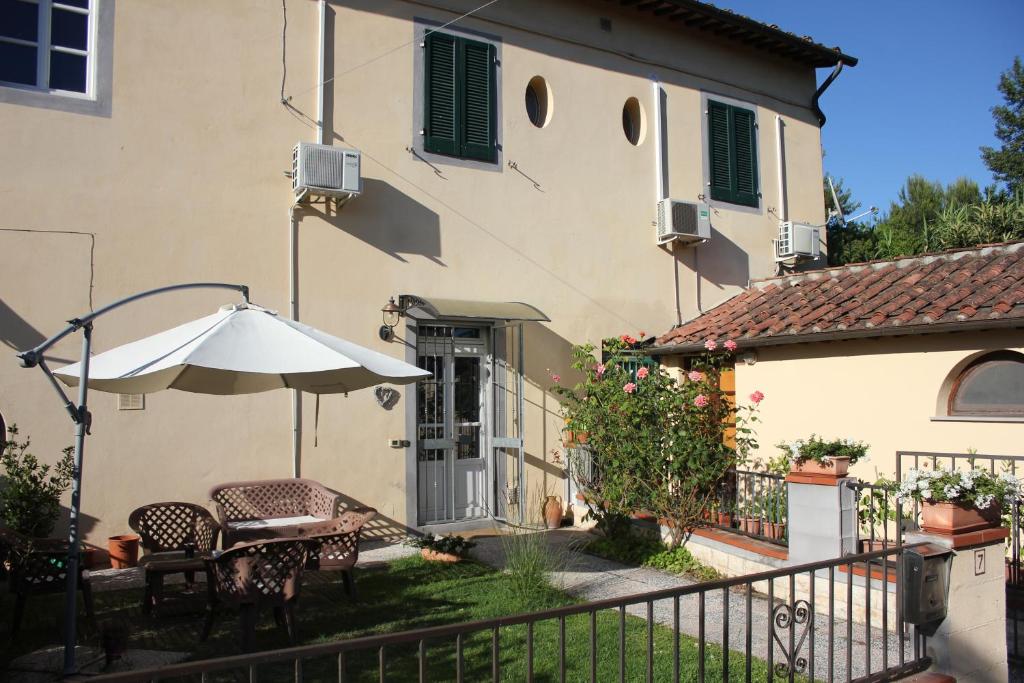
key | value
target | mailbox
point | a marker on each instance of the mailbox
(926, 571)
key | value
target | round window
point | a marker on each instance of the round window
(538, 101)
(633, 121)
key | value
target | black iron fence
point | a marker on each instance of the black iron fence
(809, 622)
(881, 520)
(754, 504)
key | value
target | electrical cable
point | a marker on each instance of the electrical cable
(92, 249)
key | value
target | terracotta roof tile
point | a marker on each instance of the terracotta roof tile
(984, 283)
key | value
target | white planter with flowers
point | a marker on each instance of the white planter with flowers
(818, 457)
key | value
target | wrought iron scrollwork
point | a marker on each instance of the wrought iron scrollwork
(784, 618)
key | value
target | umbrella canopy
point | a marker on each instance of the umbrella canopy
(241, 349)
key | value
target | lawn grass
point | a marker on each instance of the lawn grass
(408, 594)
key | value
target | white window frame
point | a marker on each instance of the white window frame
(43, 49)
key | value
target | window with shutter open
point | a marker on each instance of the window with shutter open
(732, 153)
(460, 97)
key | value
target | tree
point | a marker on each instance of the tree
(908, 227)
(848, 241)
(1007, 162)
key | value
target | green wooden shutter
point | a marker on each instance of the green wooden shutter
(719, 152)
(477, 110)
(745, 146)
(732, 154)
(440, 119)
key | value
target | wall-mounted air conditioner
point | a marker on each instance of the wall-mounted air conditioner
(797, 241)
(685, 222)
(325, 171)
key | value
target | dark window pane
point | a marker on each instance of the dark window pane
(84, 4)
(991, 387)
(17, 63)
(67, 72)
(69, 29)
(19, 19)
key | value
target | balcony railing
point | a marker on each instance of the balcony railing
(754, 504)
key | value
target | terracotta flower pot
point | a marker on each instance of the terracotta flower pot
(553, 512)
(431, 555)
(725, 518)
(574, 439)
(775, 530)
(869, 546)
(124, 551)
(750, 525)
(837, 468)
(958, 518)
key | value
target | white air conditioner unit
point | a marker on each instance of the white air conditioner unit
(686, 222)
(797, 241)
(325, 171)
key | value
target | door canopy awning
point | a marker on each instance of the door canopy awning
(472, 310)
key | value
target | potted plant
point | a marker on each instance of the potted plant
(448, 548)
(123, 550)
(750, 517)
(959, 501)
(876, 508)
(724, 514)
(775, 505)
(553, 512)
(816, 456)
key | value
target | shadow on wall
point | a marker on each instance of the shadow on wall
(380, 529)
(15, 331)
(390, 220)
(723, 263)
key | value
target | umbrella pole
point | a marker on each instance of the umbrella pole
(81, 429)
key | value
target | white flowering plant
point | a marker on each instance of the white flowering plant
(975, 487)
(821, 451)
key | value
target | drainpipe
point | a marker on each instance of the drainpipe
(781, 161)
(661, 182)
(821, 91)
(320, 71)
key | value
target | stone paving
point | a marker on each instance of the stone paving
(593, 578)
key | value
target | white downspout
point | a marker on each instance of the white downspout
(320, 71)
(660, 186)
(293, 233)
(783, 202)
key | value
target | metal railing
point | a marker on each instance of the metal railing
(880, 518)
(754, 504)
(797, 622)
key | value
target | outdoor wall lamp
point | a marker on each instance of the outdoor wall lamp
(391, 313)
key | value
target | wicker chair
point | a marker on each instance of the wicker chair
(254, 574)
(271, 508)
(170, 532)
(338, 544)
(38, 566)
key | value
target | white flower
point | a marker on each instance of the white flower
(825, 460)
(926, 494)
(984, 501)
(952, 492)
(922, 485)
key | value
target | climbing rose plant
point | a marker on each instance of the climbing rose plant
(653, 443)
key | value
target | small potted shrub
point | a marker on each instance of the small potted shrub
(724, 515)
(448, 548)
(876, 508)
(775, 505)
(750, 517)
(820, 457)
(959, 501)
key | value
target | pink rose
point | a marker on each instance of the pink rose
(642, 334)
(695, 376)
(710, 345)
(642, 372)
(730, 344)
(756, 397)
(629, 387)
(700, 401)
(556, 378)
(600, 369)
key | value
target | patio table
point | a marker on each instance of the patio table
(158, 565)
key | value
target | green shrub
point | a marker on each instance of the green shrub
(530, 560)
(30, 496)
(648, 551)
(450, 544)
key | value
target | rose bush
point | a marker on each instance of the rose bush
(654, 443)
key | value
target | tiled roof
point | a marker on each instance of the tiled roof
(733, 26)
(968, 288)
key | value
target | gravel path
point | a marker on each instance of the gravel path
(593, 578)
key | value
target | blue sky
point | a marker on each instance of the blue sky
(919, 99)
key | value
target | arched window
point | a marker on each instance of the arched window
(992, 385)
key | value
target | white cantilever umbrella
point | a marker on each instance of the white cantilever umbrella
(241, 349)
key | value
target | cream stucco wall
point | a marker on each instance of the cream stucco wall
(184, 181)
(880, 391)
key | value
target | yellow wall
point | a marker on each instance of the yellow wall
(184, 181)
(883, 392)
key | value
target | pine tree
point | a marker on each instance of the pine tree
(1007, 162)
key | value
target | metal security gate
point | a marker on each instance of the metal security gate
(508, 479)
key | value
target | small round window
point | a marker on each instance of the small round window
(538, 101)
(633, 123)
